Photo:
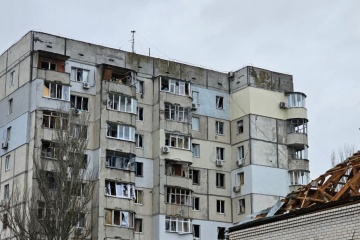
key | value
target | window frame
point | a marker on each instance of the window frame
(141, 225)
(178, 196)
(82, 106)
(7, 163)
(195, 177)
(139, 86)
(137, 166)
(220, 154)
(139, 141)
(119, 160)
(195, 97)
(240, 153)
(177, 113)
(10, 106)
(74, 72)
(121, 128)
(177, 225)
(121, 103)
(196, 203)
(219, 128)
(241, 206)
(174, 86)
(220, 206)
(12, 78)
(125, 190)
(140, 114)
(193, 147)
(137, 193)
(131, 218)
(240, 126)
(220, 180)
(6, 191)
(179, 140)
(64, 92)
(195, 121)
(219, 102)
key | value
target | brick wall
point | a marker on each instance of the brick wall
(336, 223)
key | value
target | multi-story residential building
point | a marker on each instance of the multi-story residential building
(183, 151)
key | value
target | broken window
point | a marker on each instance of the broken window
(219, 102)
(51, 119)
(78, 131)
(221, 233)
(296, 100)
(195, 97)
(240, 178)
(220, 180)
(195, 124)
(176, 113)
(196, 203)
(119, 131)
(6, 191)
(196, 150)
(139, 169)
(7, 163)
(118, 189)
(10, 104)
(220, 153)
(240, 151)
(41, 210)
(140, 114)
(138, 225)
(119, 218)
(241, 206)
(297, 125)
(49, 149)
(119, 160)
(79, 75)
(220, 206)
(240, 126)
(299, 177)
(51, 180)
(175, 86)
(178, 196)
(5, 221)
(195, 176)
(48, 65)
(123, 77)
(79, 103)
(179, 225)
(219, 127)
(56, 91)
(140, 87)
(139, 140)
(177, 141)
(176, 169)
(139, 196)
(121, 103)
(81, 158)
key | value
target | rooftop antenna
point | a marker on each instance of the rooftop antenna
(133, 40)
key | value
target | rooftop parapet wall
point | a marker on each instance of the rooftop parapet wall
(262, 78)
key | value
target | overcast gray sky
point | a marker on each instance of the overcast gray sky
(318, 42)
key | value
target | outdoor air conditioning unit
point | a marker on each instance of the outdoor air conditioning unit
(237, 189)
(5, 145)
(282, 105)
(193, 106)
(240, 162)
(86, 85)
(165, 149)
(219, 163)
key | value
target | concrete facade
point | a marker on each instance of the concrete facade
(209, 147)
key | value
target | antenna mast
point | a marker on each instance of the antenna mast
(133, 40)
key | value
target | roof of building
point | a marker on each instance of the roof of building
(337, 186)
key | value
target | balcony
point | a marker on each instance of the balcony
(179, 210)
(50, 75)
(297, 140)
(296, 113)
(298, 164)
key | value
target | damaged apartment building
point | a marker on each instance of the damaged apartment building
(183, 152)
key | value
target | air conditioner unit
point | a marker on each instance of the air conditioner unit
(5, 145)
(282, 105)
(219, 163)
(193, 106)
(86, 85)
(165, 149)
(240, 162)
(237, 189)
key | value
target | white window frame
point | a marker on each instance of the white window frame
(120, 189)
(195, 97)
(219, 102)
(196, 150)
(240, 153)
(74, 75)
(179, 196)
(121, 103)
(82, 106)
(177, 87)
(139, 141)
(139, 197)
(64, 91)
(119, 160)
(179, 141)
(7, 163)
(221, 209)
(240, 126)
(195, 124)
(140, 87)
(121, 132)
(177, 225)
(12, 78)
(126, 218)
(220, 154)
(220, 127)
(176, 113)
(241, 206)
(191, 175)
(220, 180)
(6, 191)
